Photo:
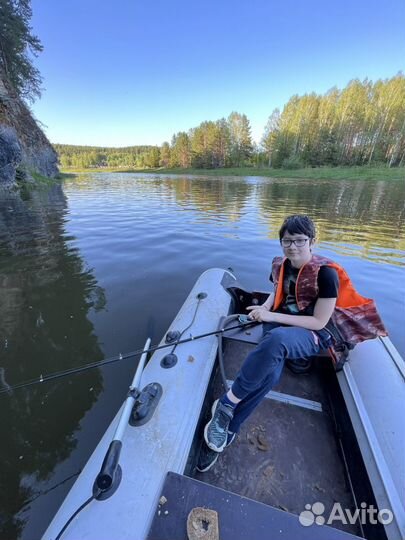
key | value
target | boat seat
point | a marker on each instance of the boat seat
(238, 517)
(250, 334)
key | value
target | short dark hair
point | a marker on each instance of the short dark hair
(298, 224)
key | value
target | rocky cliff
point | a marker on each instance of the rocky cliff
(24, 147)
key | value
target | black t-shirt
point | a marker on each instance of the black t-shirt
(328, 286)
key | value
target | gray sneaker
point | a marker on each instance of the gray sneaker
(208, 457)
(216, 431)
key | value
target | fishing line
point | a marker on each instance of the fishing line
(46, 491)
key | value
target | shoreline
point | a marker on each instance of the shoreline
(317, 173)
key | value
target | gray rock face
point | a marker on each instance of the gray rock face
(10, 155)
(22, 142)
(41, 158)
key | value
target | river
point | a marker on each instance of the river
(91, 268)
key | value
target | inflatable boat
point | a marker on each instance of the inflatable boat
(321, 458)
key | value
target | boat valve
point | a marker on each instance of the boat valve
(172, 336)
(168, 361)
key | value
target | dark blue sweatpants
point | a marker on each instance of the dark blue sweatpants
(262, 368)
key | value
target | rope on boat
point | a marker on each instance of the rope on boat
(72, 517)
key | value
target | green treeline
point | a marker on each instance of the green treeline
(88, 157)
(363, 124)
(224, 143)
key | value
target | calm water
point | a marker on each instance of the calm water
(94, 267)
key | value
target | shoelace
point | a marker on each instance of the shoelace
(223, 419)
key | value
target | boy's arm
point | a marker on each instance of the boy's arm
(323, 310)
(268, 304)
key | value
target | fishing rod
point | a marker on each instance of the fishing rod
(171, 341)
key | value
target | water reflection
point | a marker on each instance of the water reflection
(214, 200)
(45, 298)
(363, 218)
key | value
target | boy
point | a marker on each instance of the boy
(314, 307)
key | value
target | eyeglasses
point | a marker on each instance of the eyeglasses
(299, 242)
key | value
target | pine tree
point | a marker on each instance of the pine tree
(222, 143)
(241, 146)
(180, 151)
(164, 155)
(16, 43)
(271, 132)
(152, 158)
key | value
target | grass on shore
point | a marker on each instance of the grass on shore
(44, 180)
(333, 173)
(37, 180)
(65, 175)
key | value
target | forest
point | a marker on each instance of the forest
(363, 124)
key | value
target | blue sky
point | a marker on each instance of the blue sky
(129, 72)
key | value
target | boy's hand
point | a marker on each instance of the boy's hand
(260, 314)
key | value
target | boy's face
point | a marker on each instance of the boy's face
(297, 248)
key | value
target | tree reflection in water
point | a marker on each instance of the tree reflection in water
(45, 298)
(349, 214)
(363, 213)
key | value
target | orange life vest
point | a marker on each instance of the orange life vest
(355, 316)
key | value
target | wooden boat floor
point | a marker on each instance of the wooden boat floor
(285, 456)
